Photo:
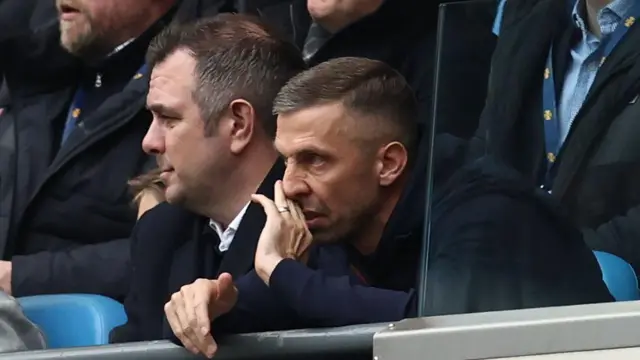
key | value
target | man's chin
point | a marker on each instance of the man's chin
(72, 45)
(78, 40)
(322, 236)
(173, 195)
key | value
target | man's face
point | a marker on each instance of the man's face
(192, 161)
(90, 25)
(333, 178)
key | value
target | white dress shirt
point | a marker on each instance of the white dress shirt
(226, 235)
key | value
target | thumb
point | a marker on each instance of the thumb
(226, 296)
(226, 290)
(225, 280)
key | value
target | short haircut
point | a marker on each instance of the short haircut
(365, 87)
(237, 57)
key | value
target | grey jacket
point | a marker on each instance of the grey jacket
(17, 333)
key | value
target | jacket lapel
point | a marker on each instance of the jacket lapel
(239, 258)
(612, 89)
(187, 260)
(516, 80)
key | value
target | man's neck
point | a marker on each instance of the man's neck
(245, 181)
(593, 8)
(367, 241)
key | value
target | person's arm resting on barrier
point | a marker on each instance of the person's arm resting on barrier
(494, 253)
(318, 299)
(97, 269)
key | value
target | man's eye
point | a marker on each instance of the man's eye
(316, 160)
(168, 121)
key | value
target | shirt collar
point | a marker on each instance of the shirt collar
(233, 225)
(620, 9)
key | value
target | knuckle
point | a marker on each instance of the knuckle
(176, 297)
(185, 330)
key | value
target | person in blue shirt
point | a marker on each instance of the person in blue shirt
(562, 109)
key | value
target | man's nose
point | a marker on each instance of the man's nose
(153, 142)
(293, 184)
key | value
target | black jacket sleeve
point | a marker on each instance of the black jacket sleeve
(329, 301)
(258, 309)
(97, 269)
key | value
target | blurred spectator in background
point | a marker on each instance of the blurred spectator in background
(563, 109)
(78, 85)
(148, 191)
(401, 33)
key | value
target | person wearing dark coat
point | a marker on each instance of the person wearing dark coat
(75, 74)
(213, 151)
(401, 33)
(347, 131)
(567, 118)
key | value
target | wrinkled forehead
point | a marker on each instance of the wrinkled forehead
(323, 127)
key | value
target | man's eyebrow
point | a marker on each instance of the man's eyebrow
(306, 151)
(160, 109)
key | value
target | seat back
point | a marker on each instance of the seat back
(619, 276)
(70, 320)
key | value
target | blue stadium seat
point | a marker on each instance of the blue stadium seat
(619, 276)
(69, 320)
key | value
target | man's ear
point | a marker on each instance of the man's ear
(392, 162)
(242, 124)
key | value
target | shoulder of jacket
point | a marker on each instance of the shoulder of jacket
(515, 10)
(162, 212)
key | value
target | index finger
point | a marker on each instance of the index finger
(278, 195)
(267, 204)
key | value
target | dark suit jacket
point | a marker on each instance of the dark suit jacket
(172, 247)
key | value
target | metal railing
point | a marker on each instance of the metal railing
(352, 343)
(598, 331)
